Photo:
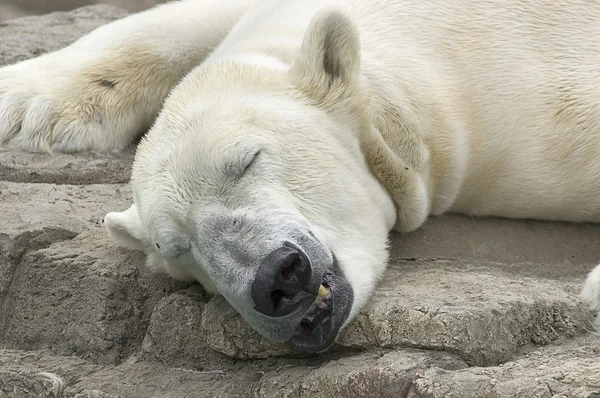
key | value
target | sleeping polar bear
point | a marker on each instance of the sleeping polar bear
(290, 136)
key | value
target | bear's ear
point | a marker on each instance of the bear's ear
(329, 58)
(125, 228)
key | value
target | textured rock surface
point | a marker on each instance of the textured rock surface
(31, 36)
(15, 8)
(468, 308)
(66, 169)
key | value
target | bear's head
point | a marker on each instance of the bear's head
(269, 185)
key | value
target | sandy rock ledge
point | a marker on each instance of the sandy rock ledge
(469, 308)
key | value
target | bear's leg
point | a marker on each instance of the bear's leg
(590, 293)
(101, 92)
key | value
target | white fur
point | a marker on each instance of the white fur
(484, 108)
(126, 229)
(59, 97)
(590, 294)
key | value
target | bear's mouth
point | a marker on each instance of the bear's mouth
(321, 324)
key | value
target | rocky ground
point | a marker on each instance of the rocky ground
(468, 308)
(16, 8)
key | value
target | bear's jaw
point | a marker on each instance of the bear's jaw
(321, 324)
(317, 313)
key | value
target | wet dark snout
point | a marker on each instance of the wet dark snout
(283, 282)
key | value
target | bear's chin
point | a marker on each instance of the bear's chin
(321, 324)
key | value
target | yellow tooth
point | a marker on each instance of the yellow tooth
(323, 292)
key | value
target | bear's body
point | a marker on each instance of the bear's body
(403, 108)
(476, 83)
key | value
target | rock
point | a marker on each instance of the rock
(39, 374)
(34, 207)
(81, 297)
(66, 169)
(28, 37)
(228, 333)
(481, 315)
(389, 375)
(94, 394)
(535, 247)
(65, 285)
(367, 374)
(149, 379)
(18, 7)
(29, 385)
(175, 336)
(34, 216)
(571, 370)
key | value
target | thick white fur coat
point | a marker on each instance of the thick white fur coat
(482, 108)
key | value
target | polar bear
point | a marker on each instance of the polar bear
(289, 137)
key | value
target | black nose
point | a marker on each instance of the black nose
(282, 282)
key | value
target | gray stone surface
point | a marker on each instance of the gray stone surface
(10, 9)
(510, 242)
(65, 286)
(571, 370)
(66, 169)
(481, 308)
(175, 336)
(32, 36)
